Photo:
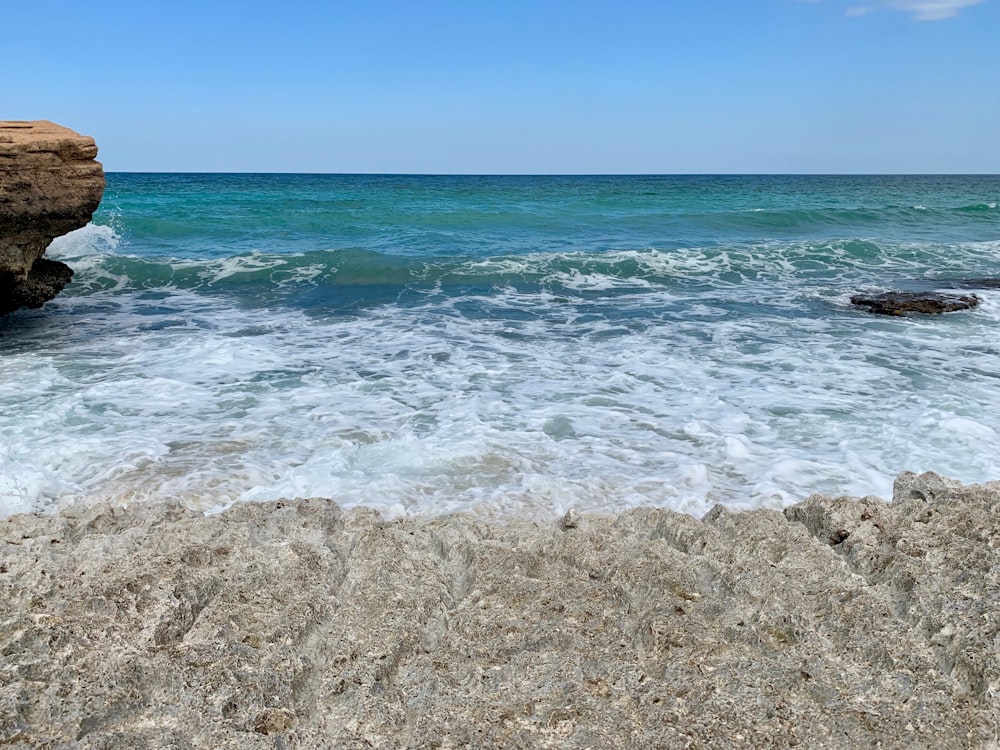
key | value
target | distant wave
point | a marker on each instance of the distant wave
(991, 206)
(282, 222)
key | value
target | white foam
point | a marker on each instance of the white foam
(661, 396)
(93, 239)
(215, 271)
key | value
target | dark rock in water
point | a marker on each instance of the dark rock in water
(899, 303)
(50, 184)
(43, 282)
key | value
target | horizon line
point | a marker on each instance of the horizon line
(561, 174)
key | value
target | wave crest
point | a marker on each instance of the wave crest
(93, 239)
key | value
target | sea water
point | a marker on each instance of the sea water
(505, 345)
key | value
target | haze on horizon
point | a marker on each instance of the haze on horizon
(722, 86)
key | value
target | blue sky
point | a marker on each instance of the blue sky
(630, 86)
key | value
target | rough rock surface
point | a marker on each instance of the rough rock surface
(840, 623)
(900, 303)
(45, 280)
(50, 184)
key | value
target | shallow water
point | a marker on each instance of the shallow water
(504, 344)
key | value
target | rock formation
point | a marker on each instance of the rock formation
(839, 623)
(50, 184)
(899, 303)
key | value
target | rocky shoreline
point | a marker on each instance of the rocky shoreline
(838, 623)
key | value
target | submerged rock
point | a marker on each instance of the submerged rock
(841, 622)
(899, 303)
(50, 184)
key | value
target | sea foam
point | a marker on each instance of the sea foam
(507, 402)
(674, 374)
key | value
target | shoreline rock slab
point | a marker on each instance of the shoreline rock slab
(842, 622)
(900, 303)
(50, 184)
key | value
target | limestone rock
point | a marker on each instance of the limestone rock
(839, 623)
(899, 303)
(50, 184)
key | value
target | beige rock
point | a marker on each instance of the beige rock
(840, 623)
(50, 184)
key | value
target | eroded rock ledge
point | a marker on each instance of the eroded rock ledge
(50, 184)
(838, 623)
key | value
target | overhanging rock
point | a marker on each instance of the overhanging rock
(50, 184)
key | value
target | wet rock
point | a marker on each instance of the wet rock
(900, 303)
(296, 624)
(43, 282)
(50, 184)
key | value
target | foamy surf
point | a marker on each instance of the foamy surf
(524, 383)
(93, 239)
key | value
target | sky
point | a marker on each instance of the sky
(541, 87)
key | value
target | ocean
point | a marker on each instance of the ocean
(505, 345)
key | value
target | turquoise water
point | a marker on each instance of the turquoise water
(505, 344)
